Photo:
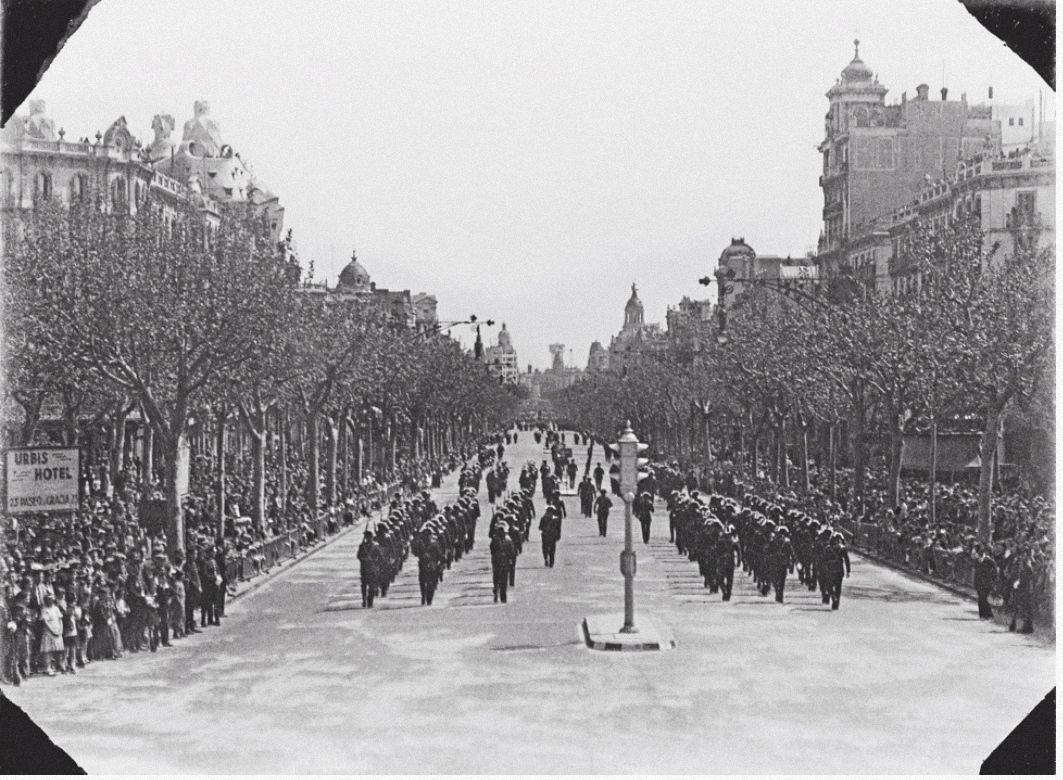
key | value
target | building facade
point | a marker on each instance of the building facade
(399, 307)
(636, 337)
(37, 162)
(501, 358)
(877, 157)
(751, 274)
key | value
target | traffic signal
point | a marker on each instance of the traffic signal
(631, 465)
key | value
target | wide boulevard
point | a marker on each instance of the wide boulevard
(300, 678)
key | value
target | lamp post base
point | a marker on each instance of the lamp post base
(600, 632)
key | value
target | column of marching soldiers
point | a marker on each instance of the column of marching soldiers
(723, 533)
(439, 538)
(719, 533)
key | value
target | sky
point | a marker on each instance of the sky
(524, 161)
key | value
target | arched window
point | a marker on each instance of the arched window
(119, 199)
(42, 186)
(138, 190)
(79, 187)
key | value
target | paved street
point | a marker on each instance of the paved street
(301, 679)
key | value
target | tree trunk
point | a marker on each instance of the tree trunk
(313, 477)
(147, 454)
(833, 445)
(784, 463)
(221, 435)
(343, 479)
(933, 469)
(331, 437)
(804, 459)
(990, 438)
(118, 421)
(755, 452)
(369, 452)
(896, 453)
(283, 428)
(359, 465)
(859, 444)
(175, 519)
(31, 417)
(257, 432)
(707, 423)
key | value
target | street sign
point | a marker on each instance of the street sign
(42, 479)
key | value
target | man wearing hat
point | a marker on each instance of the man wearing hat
(550, 533)
(602, 505)
(837, 568)
(780, 561)
(193, 590)
(502, 555)
(368, 561)
(985, 579)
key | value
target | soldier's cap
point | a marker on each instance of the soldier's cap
(368, 533)
(782, 529)
(837, 537)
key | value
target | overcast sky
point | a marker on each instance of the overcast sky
(526, 161)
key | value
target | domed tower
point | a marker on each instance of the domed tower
(850, 145)
(738, 257)
(354, 278)
(634, 313)
(504, 340)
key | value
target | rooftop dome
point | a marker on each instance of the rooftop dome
(354, 275)
(738, 248)
(856, 70)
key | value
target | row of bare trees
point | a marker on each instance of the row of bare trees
(110, 314)
(972, 343)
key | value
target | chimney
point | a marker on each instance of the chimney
(944, 94)
(904, 98)
(922, 92)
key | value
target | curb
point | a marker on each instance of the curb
(957, 590)
(617, 646)
(262, 579)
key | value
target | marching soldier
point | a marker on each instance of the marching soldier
(643, 509)
(502, 554)
(550, 532)
(780, 561)
(602, 505)
(726, 548)
(838, 567)
(368, 559)
(586, 497)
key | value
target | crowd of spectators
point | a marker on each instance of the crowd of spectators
(943, 547)
(97, 583)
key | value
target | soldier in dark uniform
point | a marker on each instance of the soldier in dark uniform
(502, 553)
(599, 475)
(1021, 602)
(602, 505)
(586, 497)
(837, 568)
(726, 549)
(429, 563)
(780, 561)
(985, 579)
(822, 553)
(643, 509)
(193, 591)
(368, 560)
(550, 532)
